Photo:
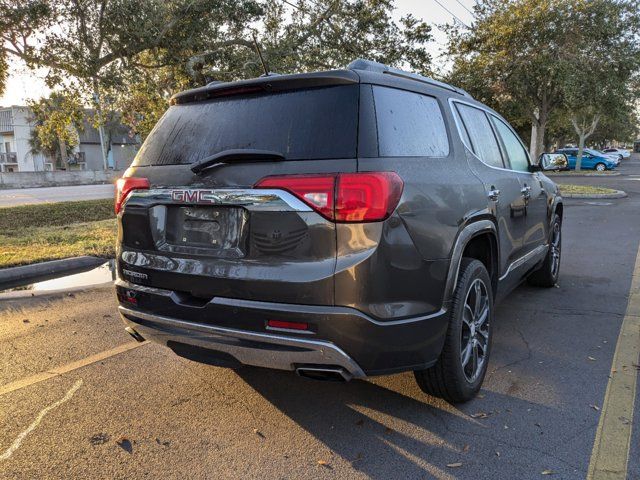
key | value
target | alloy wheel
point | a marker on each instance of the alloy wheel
(474, 342)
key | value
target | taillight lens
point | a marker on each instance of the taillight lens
(124, 186)
(344, 197)
(317, 191)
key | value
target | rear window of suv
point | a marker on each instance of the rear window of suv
(300, 124)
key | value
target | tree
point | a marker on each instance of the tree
(92, 44)
(311, 35)
(57, 120)
(522, 56)
(122, 56)
(604, 67)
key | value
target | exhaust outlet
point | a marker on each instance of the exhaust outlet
(325, 374)
(134, 334)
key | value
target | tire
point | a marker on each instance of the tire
(450, 378)
(601, 167)
(548, 273)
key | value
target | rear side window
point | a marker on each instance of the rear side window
(300, 124)
(518, 157)
(409, 124)
(483, 141)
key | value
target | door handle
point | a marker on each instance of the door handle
(493, 194)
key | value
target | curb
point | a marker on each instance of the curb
(569, 175)
(20, 276)
(617, 194)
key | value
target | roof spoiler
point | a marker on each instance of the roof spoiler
(371, 66)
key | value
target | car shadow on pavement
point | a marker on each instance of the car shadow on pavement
(387, 434)
(365, 423)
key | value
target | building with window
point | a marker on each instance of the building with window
(16, 154)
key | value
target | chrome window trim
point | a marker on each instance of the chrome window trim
(255, 199)
(456, 120)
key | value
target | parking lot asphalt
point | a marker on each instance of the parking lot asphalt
(79, 399)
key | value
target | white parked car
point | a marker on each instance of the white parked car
(620, 151)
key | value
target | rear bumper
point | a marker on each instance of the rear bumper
(338, 337)
(248, 348)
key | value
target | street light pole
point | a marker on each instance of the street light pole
(96, 99)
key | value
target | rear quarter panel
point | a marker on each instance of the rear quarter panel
(398, 268)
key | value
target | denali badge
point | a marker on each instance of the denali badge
(141, 276)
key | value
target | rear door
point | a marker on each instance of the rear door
(533, 193)
(214, 235)
(503, 188)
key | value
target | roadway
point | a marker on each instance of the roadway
(30, 196)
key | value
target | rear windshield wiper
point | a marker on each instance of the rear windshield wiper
(238, 155)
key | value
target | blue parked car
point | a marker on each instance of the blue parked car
(591, 159)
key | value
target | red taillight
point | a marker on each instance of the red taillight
(287, 325)
(124, 186)
(344, 197)
(317, 191)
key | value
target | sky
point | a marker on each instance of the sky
(24, 84)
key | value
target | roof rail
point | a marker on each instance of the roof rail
(371, 66)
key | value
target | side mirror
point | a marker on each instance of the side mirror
(553, 161)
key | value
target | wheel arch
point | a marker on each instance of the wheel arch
(473, 240)
(559, 209)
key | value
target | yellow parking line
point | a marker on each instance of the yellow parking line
(42, 376)
(610, 454)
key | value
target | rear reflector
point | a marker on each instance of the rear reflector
(287, 325)
(344, 197)
(124, 186)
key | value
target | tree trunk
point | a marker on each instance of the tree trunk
(64, 159)
(583, 132)
(539, 120)
(581, 139)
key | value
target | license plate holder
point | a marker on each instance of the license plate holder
(206, 230)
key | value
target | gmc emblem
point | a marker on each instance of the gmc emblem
(189, 196)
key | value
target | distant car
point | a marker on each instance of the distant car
(620, 151)
(591, 159)
(616, 157)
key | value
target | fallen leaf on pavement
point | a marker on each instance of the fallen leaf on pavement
(479, 415)
(125, 444)
(324, 463)
(258, 432)
(454, 465)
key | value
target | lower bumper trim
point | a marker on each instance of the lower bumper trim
(249, 348)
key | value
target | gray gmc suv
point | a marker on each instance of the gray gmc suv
(339, 224)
